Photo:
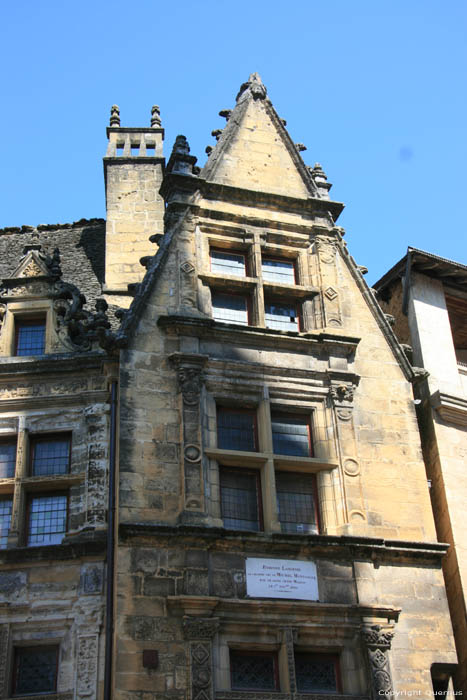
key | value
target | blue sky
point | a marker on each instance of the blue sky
(375, 89)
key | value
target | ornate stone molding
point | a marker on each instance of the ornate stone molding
(86, 668)
(200, 627)
(342, 394)
(378, 642)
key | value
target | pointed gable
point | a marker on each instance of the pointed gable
(255, 151)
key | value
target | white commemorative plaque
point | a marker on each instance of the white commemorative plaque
(281, 578)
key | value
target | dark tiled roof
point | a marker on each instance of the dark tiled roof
(81, 246)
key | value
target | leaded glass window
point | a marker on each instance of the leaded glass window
(47, 519)
(35, 670)
(50, 455)
(6, 505)
(291, 435)
(7, 459)
(253, 670)
(240, 499)
(297, 503)
(282, 317)
(232, 308)
(30, 337)
(276, 270)
(236, 430)
(226, 263)
(317, 673)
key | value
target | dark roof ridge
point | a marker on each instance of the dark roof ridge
(50, 227)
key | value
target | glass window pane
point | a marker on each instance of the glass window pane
(291, 435)
(50, 456)
(35, 670)
(278, 271)
(227, 263)
(227, 307)
(281, 316)
(296, 503)
(316, 673)
(236, 431)
(30, 337)
(253, 671)
(7, 459)
(47, 520)
(239, 499)
(6, 505)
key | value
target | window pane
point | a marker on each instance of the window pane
(281, 316)
(7, 459)
(6, 505)
(47, 520)
(296, 502)
(239, 499)
(316, 673)
(291, 435)
(50, 456)
(35, 670)
(278, 271)
(236, 431)
(228, 263)
(227, 307)
(253, 671)
(30, 337)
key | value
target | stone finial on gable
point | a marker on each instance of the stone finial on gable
(114, 115)
(256, 87)
(321, 181)
(180, 160)
(155, 116)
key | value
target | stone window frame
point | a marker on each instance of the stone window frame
(254, 246)
(23, 485)
(273, 636)
(266, 462)
(26, 310)
(28, 634)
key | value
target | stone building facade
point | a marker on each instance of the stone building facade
(270, 534)
(427, 295)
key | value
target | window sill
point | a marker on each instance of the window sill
(235, 458)
(305, 464)
(53, 481)
(228, 282)
(294, 291)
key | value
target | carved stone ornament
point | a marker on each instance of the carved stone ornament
(326, 249)
(330, 293)
(87, 666)
(192, 453)
(190, 376)
(378, 641)
(187, 267)
(201, 671)
(200, 627)
(342, 393)
(256, 87)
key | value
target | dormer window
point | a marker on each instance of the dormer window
(226, 262)
(30, 336)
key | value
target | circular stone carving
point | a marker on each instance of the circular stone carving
(351, 467)
(192, 453)
(357, 516)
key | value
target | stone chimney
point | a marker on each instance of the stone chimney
(133, 170)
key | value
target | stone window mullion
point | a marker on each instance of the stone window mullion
(18, 526)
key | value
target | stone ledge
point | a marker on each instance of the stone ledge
(86, 544)
(452, 409)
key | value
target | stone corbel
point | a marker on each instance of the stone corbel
(190, 375)
(377, 640)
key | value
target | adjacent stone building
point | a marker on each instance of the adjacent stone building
(427, 295)
(213, 484)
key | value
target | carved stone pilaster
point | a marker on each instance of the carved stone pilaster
(200, 632)
(377, 640)
(4, 638)
(290, 640)
(86, 667)
(96, 477)
(190, 381)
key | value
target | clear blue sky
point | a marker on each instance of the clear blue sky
(376, 89)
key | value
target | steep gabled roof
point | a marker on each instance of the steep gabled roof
(255, 150)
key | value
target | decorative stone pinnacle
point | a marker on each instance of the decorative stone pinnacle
(181, 145)
(115, 115)
(155, 116)
(256, 87)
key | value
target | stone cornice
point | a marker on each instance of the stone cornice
(346, 547)
(52, 364)
(81, 545)
(450, 408)
(199, 326)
